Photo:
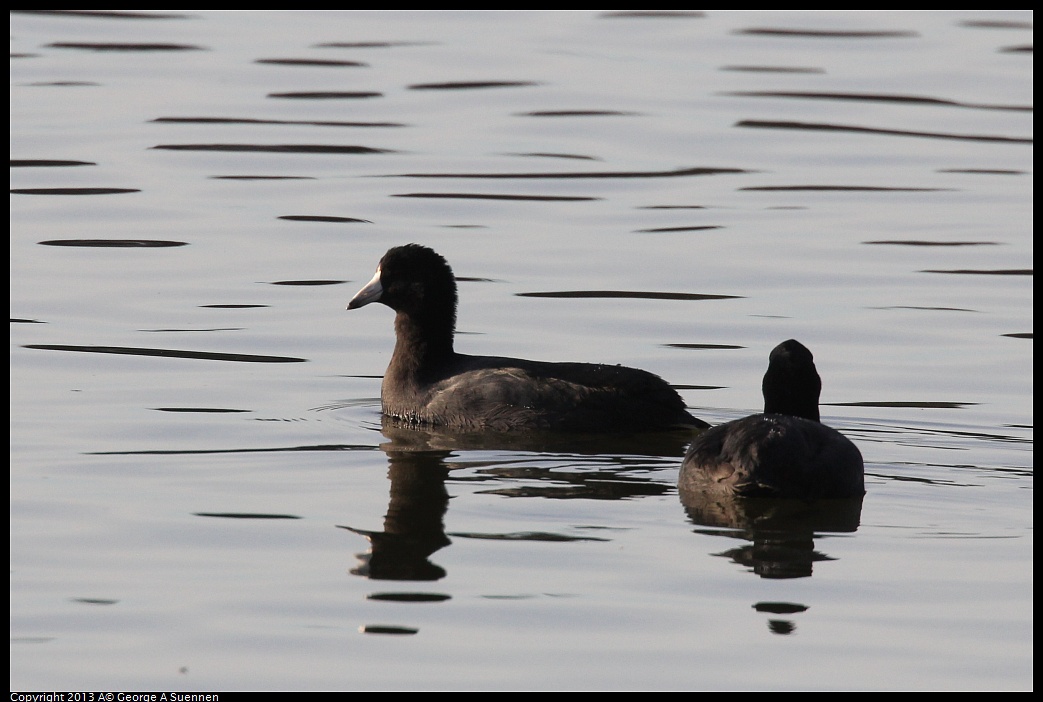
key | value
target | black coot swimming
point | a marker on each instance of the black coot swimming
(784, 452)
(429, 383)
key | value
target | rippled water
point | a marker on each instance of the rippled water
(203, 495)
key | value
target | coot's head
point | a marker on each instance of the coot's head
(411, 279)
(791, 384)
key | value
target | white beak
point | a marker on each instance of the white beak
(370, 293)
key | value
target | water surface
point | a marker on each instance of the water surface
(204, 497)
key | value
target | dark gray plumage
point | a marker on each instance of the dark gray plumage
(429, 383)
(784, 452)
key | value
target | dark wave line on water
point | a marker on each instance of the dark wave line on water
(995, 24)
(260, 177)
(103, 14)
(372, 44)
(245, 515)
(473, 85)
(323, 218)
(874, 97)
(47, 163)
(246, 120)
(124, 46)
(695, 228)
(231, 306)
(388, 629)
(73, 191)
(168, 353)
(631, 294)
(194, 452)
(62, 84)
(182, 330)
(408, 596)
(677, 173)
(115, 243)
(577, 156)
(779, 607)
(823, 127)
(705, 347)
(955, 433)
(915, 242)
(845, 188)
(828, 33)
(524, 536)
(774, 69)
(490, 196)
(917, 307)
(653, 14)
(898, 404)
(327, 95)
(982, 171)
(277, 148)
(591, 489)
(577, 113)
(328, 63)
(205, 410)
(973, 271)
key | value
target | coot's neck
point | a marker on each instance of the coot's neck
(423, 342)
(792, 390)
(794, 405)
(791, 384)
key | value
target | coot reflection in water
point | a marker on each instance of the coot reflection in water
(780, 533)
(419, 466)
(413, 526)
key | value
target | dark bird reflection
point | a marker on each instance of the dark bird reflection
(418, 467)
(780, 536)
(780, 533)
(413, 526)
(614, 465)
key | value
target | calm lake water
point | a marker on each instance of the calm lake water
(203, 496)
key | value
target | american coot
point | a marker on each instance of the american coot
(785, 452)
(428, 383)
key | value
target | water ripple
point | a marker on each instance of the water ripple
(632, 294)
(473, 85)
(311, 62)
(245, 515)
(490, 196)
(873, 97)
(675, 173)
(168, 353)
(73, 191)
(47, 163)
(277, 148)
(124, 46)
(827, 33)
(115, 243)
(823, 127)
(248, 120)
(103, 14)
(327, 95)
